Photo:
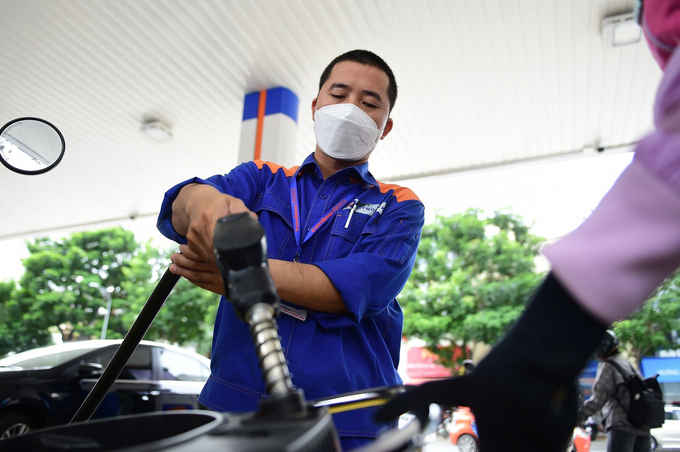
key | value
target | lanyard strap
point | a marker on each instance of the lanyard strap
(295, 208)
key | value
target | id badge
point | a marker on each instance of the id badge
(300, 314)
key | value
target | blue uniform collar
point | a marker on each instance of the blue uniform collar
(353, 171)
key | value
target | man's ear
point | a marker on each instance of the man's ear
(388, 128)
(313, 108)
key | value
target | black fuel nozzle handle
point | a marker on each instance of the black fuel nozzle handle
(240, 247)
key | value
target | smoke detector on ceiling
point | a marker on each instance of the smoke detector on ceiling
(157, 131)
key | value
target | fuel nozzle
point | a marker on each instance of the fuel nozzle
(240, 247)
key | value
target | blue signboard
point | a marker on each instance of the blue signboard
(668, 369)
(590, 369)
(587, 377)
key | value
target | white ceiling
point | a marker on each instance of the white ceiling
(481, 83)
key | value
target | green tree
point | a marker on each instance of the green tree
(60, 291)
(59, 287)
(650, 327)
(472, 278)
(13, 329)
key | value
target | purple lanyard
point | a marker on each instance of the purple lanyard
(295, 208)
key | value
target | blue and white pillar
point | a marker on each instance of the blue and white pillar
(269, 128)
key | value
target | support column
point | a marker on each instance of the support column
(269, 128)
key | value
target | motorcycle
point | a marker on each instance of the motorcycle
(445, 425)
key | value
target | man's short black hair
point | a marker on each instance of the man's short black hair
(367, 58)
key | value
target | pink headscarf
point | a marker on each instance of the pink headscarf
(661, 25)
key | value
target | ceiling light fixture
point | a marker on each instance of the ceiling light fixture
(157, 131)
(620, 30)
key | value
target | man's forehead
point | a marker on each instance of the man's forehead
(349, 73)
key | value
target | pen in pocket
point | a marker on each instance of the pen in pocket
(351, 212)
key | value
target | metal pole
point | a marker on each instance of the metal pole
(127, 347)
(107, 297)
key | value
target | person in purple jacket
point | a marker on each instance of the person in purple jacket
(340, 247)
(600, 273)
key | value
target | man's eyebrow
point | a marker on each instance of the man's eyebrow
(366, 91)
(338, 85)
(372, 94)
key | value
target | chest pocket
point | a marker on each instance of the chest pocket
(344, 238)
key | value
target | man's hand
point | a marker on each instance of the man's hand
(529, 378)
(200, 272)
(195, 212)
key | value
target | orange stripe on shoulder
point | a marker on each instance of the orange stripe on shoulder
(274, 167)
(402, 193)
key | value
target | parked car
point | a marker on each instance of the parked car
(46, 386)
(667, 437)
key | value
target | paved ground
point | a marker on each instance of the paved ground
(600, 444)
(439, 445)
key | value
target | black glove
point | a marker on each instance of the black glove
(528, 379)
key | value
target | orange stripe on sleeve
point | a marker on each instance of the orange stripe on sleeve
(402, 193)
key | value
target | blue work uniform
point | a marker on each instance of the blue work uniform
(364, 236)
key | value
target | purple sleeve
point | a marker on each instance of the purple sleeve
(613, 262)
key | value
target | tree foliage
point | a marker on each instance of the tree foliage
(61, 291)
(654, 325)
(472, 278)
(14, 328)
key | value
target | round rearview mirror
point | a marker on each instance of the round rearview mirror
(31, 146)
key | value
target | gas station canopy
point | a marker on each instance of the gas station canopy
(481, 84)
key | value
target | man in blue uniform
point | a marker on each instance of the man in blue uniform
(340, 245)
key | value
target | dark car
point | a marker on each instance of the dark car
(46, 386)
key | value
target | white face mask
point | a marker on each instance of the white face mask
(345, 131)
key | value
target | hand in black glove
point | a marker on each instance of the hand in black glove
(529, 378)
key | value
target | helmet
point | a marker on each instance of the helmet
(608, 344)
